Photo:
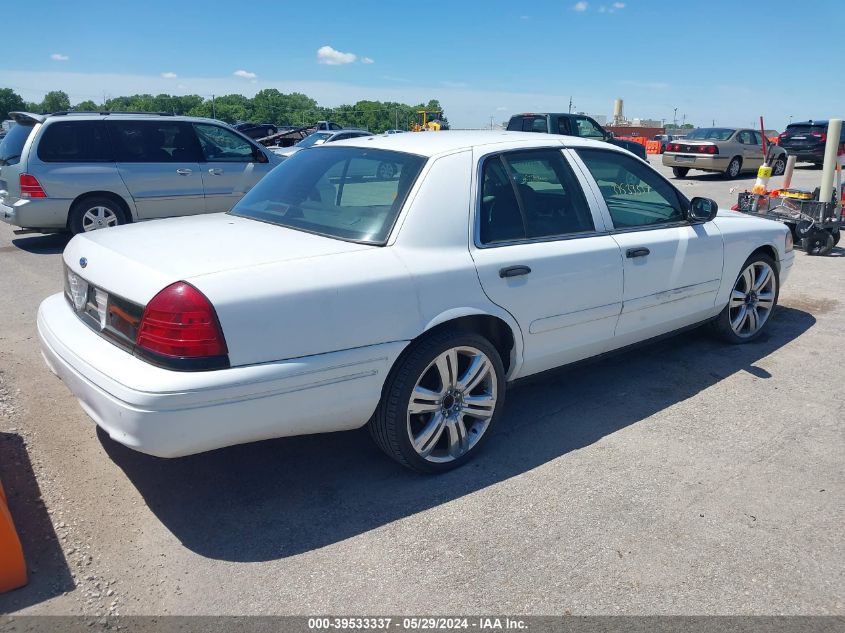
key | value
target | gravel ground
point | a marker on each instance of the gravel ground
(684, 478)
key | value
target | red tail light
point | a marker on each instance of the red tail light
(30, 187)
(671, 147)
(821, 136)
(180, 330)
(709, 149)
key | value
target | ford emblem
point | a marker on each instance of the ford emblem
(83, 262)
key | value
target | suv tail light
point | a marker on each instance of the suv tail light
(820, 135)
(180, 330)
(30, 187)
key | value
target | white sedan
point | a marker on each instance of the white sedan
(326, 301)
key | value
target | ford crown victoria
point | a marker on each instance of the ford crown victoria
(325, 301)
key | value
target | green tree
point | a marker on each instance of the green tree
(10, 101)
(55, 101)
(86, 106)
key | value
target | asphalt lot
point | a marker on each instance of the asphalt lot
(684, 478)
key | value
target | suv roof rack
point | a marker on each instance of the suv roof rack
(106, 112)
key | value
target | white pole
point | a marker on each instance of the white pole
(834, 129)
(787, 174)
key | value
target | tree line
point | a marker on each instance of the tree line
(267, 106)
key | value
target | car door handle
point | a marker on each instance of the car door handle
(184, 172)
(215, 171)
(513, 271)
(637, 252)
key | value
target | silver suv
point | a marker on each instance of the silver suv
(84, 171)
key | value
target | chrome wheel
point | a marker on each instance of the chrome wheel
(98, 217)
(452, 404)
(752, 299)
(779, 167)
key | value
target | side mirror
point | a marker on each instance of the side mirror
(608, 135)
(702, 210)
(259, 156)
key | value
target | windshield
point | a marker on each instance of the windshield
(348, 193)
(710, 134)
(318, 138)
(12, 144)
(805, 128)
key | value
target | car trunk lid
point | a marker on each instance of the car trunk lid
(136, 262)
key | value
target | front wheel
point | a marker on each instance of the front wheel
(819, 242)
(439, 401)
(680, 172)
(752, 301)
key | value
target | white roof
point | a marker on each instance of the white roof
(446, 141)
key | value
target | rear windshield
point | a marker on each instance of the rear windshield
(805, 128)
(12, 144)
(710, 134)
(347, 193)
(314, 139)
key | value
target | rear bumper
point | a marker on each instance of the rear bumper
(36, 213)
(696, 161)
(808, 155)
(170, 414)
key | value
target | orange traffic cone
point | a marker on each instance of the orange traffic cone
(12, 565)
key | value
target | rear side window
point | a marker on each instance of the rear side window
(153, 141)
(75, 142)
(531, 195)
(12, 144)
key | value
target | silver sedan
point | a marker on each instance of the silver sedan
(729, 151)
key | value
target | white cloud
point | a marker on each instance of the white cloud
(580, 6)
(618, 5)
(58, 57)
(368, 60)
(331, 57)
(169, 75)
(502, 109)
(244, 74)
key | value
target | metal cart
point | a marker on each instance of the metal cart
(815, 224)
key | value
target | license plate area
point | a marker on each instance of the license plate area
(685, 159)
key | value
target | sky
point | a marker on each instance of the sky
(722, 61)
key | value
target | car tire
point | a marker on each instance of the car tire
(440, 429)
(836, 233)
(386, 171)
(752, 301)
(819, 242)
(779, 167)
(95, 212)
(680, 172)
(734, 167)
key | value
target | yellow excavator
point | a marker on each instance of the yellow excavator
(426, 124)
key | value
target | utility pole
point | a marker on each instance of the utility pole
(491, 121)
(713, 124)
(213, 111)
(684, 121)
(397, 119)
(570, 104)
(675, 118)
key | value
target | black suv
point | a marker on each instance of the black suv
(570, 125)
(806, 140)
